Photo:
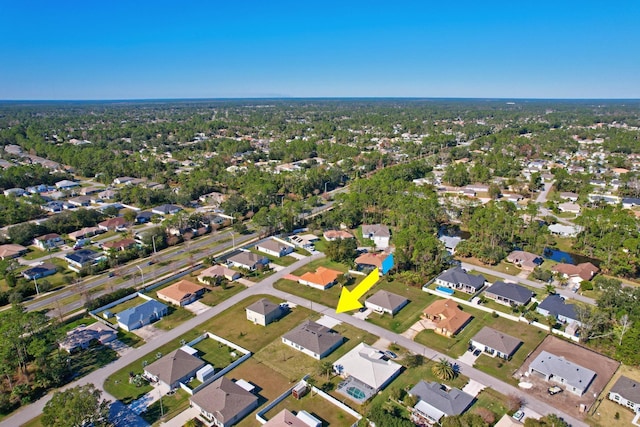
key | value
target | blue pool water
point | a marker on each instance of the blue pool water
(444, 290)
(558, 256)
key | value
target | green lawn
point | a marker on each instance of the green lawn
(216, 294)
(410, 313)
(328, 297)
(175, 316)
(216, 353)
(36, 422)
(233, 325)
(329, 414)
(129, 338)
(294, 364)
(456, 346)
(170, 407)
(95, 357)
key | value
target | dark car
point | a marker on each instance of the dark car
(554, 390)
(471, 349)
(390, 354)
(477, 352)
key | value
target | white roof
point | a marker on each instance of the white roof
(245, 385)
(189, 350)
(368, 365)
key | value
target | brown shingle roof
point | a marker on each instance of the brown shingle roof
(264, 307)
(497, 340)
(451, 317)
(313, 336)
(224, 399)
(174, 366)
(387, 300)
(585, 270)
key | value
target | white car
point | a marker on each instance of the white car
(519, 415)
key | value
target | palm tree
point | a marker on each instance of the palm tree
(444, 370)
(325, 368)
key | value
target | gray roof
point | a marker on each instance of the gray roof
(378, 230)
(451, 402)
(627, 388)
(83, 256)
(247, 258)
(314, 337)
(272, 245)
(175, 366)
(505, 344)
(555, 305)
(387, 300)
(511, 291)
(573, 374)
(264, 307)
(224, 399)
(459, 275)
(141, 312)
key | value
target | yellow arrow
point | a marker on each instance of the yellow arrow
(349, 299)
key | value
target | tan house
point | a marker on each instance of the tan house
(263, 312)
(447, 316)
(331, 235)
(11, 251)
(181, 293)
(576, 273)
(224, 403)
(174, 368)
(525, 260)
(219, 271)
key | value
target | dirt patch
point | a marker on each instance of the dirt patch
(603, 366)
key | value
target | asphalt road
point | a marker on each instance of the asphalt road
(266, 287)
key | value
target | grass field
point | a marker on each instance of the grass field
(171, 406)
(215, 295)
(214, 352)
(329, 414)
(175, 316)
(604, 412)
(502, 369)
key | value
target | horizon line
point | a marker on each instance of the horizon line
(293, 98)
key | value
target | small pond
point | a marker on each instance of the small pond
(568, 258)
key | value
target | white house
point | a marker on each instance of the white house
(368, 365)
(313, 339)
(263, 312)
(275, 247)
(626, 392)
(386, 302)
(379, 233)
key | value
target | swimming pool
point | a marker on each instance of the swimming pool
(444, 290)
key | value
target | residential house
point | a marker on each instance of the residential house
(141, 315)
(569, 207)
(495, 343)
(274, 247)
(48, 241)
(447, 317)
(564, 230)
(166, 209)
(181, 293)
(285, 418)
(574, 377)
(53, 207)
(323, 278)
(436, 400)
(525, 260)
(39, 271)
(16, 192)
(566, 195)
(509, 294)
(247, 260)
(331, 235)
(313, 339)
(218, 271)
(82, 258)
(80, 201)
(263, 312)
(457, 278)
(119, 245)
(369, 366)
(224, 403)
(450, 242)
(305, 241)
(626, 392)
(174, 368)
(386, 302)
(382, 261)
(65, 184)
(85, 232)
(86, 191)
(555, 305)
(576, 273)
(630, 202)
(144, 217)
(10, 251)
(379, 233)
(116, 223)
(82, 336)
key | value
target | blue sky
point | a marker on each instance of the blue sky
(200, 49)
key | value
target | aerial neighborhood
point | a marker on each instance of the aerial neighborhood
(319, 263)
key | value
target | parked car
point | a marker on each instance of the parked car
(519, 415)
(390, 354)
(477, 352)
(554, 390)
(471, 349)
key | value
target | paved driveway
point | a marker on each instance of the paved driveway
(148, 332)
(297, 255)
(473, 388)
(197, 307)
(119, 347)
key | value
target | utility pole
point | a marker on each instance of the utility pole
(142, 274)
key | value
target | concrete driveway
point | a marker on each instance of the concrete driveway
(197, 307)
(119, 347)
(297, 256)
(468, 358)
(275, 267)
(473, 388)
(148, 332)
